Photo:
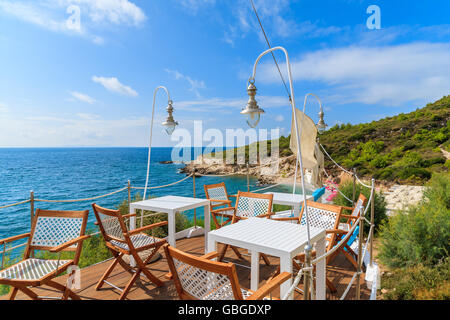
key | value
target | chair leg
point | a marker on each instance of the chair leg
(13, 293)
(106, 274)
(29, 293)
(266, 260)
(129, 285)
(222, 252)
(64, 289)
(330, 286)
(147, 272)
(236, 251)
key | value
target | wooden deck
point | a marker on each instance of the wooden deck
(339, 272)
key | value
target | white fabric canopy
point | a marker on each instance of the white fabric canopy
(307, 139)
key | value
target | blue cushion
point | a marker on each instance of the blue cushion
(318, 193)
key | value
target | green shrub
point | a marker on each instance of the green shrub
(380, 203)
(420, 234)
(418, 283)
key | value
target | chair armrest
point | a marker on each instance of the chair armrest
(233, 195)
(347, 208)
(129, 215)
(267, 215)
(269, 286)
(223, 209)
(151, 226)
(349, 217)
(221, 201)
(69, 243)
(14, 238)
(337, 231)
(211, 255)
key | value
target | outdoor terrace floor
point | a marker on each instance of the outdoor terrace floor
(340, 272)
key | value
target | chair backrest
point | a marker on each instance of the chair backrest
(202, 279)
(250, 204)
(216, 191)
(110, 222)
(322, 216)
(53, 228)
(360, 203)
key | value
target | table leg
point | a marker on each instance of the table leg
(321, 271)
(254, 279)
(132, 227)
(212, 245)
(286, 266)
(207, 225)
(171, 228)
(297, 210)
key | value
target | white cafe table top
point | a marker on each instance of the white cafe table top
(268, 236)
(170, 203)
(288, 199)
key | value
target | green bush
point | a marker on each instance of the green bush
(419, 235)
(380, 203)
(418, 283)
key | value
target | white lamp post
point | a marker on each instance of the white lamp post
(169, 125)
(253, 113)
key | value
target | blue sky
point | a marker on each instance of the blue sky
(93, 86)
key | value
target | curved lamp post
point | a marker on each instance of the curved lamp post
(169, 125)
(253, 113)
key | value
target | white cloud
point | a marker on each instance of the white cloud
(387, 75)
(223, 105)
(53, 14)
(194, 5)
(3, 107)
(82, 97)
(272, 14)
(195, 84)
(114, 85)
(279, 118)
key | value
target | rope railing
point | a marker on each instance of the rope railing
(82, 200)
(15, 204)
(165, 185)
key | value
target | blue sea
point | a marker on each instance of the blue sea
(76, 173)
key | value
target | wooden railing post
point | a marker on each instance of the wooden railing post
(31, 207)
(248, 178)
(193, 186)
(31, 215)
(354, 186)
(372, 220)
(360, 254)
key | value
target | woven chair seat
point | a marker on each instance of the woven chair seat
(138, 240)
(229, 296)
(32, 269)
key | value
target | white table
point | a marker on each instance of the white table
(289, 199)
(172, 205)
(280, 239)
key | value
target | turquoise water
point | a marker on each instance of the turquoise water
(75, 173)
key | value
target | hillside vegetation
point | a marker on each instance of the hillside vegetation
(406, 147)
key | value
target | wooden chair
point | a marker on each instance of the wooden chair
(250, 204)
(54, 231)
(122, 241)
(355, 213)
(346, 226)
(220, 205)
(322, 216)
(200, 278)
